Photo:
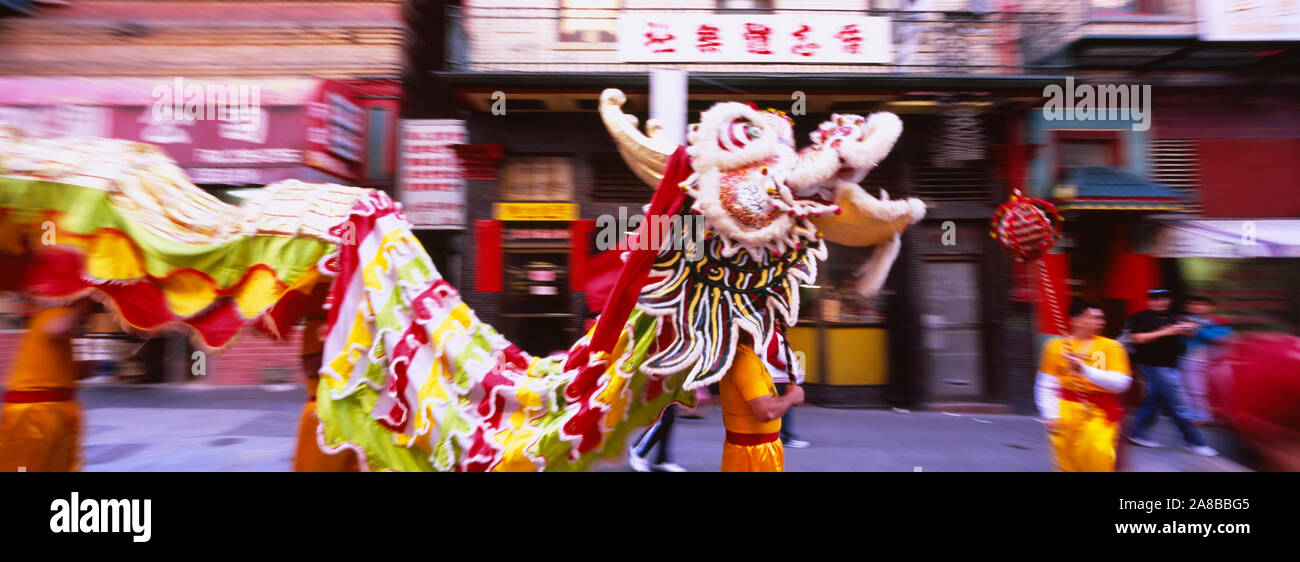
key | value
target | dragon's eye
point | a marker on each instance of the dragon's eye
(753, 132)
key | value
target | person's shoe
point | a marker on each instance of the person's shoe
(669, 467)
(797, 444)
(638, 462)
(1144, 442)
(1203, 450)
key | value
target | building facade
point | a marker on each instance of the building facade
(285, 90)
(1198, 193)
(955, 326)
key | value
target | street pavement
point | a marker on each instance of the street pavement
(207, 428)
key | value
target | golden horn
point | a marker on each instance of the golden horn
(647, 156)
(865, 220)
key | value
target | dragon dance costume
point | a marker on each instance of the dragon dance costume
(411, 379)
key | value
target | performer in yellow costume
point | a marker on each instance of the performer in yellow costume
(310, 458)
(751, 412)
(1080, 379)
(40, 424)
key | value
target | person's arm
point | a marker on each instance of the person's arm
(1114, 374)
(1047, 388)
(63, 326)
(1047, 396)
(1113, 381)
(1214, 332)
(1148, 337)
(751, 378)
(767, 408)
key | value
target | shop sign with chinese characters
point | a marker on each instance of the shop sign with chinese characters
(826, 39)
(430, 179)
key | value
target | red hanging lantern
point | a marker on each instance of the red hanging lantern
(1027, 227)
(1030, 228)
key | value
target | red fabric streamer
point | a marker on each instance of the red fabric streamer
(668, 200)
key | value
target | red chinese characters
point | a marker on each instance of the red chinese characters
(758, 39)
(708, 39)
(804, 47)
(850, 39)
(658, 38)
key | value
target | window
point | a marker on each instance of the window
(614, 181)
(1087, 153)
(1086, 148)
(1127, 7)
(537, 178)
(588, 21)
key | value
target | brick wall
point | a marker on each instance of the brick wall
(254, 359)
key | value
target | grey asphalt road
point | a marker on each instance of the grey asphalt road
(202, 428)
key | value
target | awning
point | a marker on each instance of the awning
(232, 132)
(1225, 238)
(1183, 52)
(1109, 188)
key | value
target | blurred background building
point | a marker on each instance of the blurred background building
(328, 78)
(511, 88)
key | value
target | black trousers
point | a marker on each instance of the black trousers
(787, 421)
(659, 434)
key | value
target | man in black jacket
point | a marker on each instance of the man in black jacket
(1157, 335)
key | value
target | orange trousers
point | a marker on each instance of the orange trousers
(309, 457)
(40, 437)
(765, 457)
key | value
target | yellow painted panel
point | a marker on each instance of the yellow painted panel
(535, 211)
(857, 356)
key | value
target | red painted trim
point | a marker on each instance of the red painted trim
(579, 232)
(489, 260)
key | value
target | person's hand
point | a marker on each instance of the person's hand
(1050, 425)
(795, 394)
(1076, 361)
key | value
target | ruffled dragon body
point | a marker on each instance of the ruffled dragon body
(411, 378)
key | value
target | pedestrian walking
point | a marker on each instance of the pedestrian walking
(1158, 338)
(1199, 348)
(660, 434)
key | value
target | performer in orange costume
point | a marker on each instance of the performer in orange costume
(751, 412)
(310, 458)
(1078, 392)
(40, 424)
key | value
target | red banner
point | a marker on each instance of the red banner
(489, 260)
